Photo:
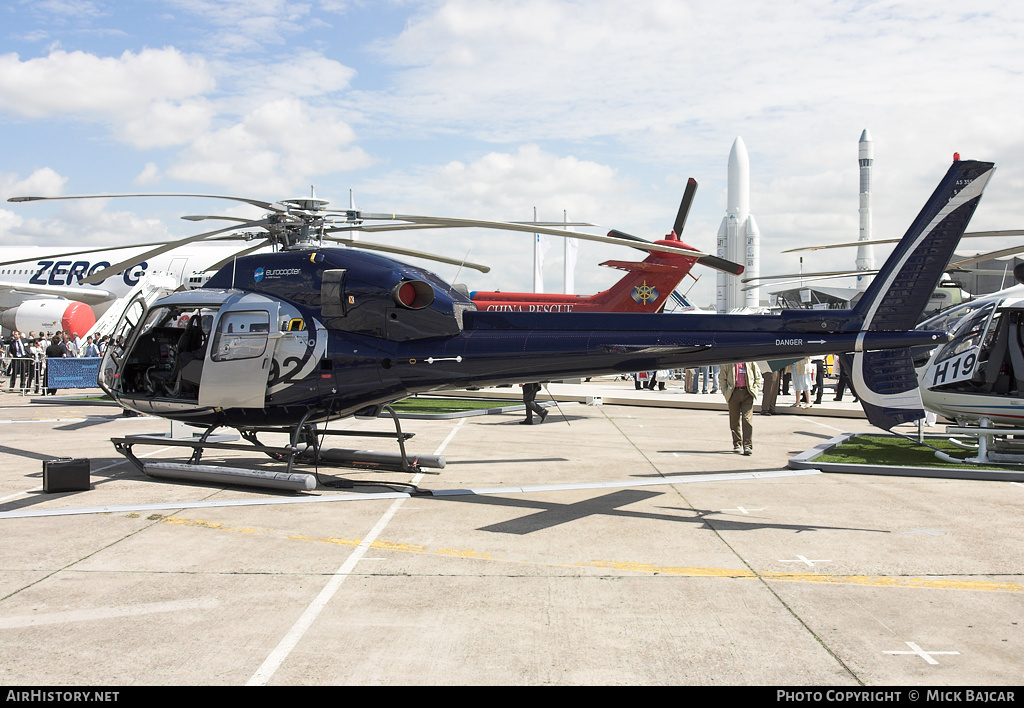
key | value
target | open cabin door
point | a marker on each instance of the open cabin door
(242, 341)
(113, 357)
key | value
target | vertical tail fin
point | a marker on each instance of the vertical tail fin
(897, 296)
(885, 380)
(647, 285)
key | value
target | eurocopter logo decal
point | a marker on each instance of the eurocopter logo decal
(645, 293)
(259, 274)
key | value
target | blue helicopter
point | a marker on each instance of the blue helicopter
(288, 340)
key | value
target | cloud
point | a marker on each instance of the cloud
(258, 132)
(72, 83)
(78, 223)
(247, 25)
(271, 150)
(150, 174)
(505, 186)
(166, 124)
(44, 182)
(665, 77)
(303, 75)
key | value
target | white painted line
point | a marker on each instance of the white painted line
(107, 467)
(742, 510)
(74, 420)
(823, 425)
(102, 613)
(298, 630)
(801, 559)
(20, 494)
(267, 500)
(926, 655)
(165, 506)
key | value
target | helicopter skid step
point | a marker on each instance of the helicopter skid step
(1002, 445)
(372, 459)
(231, 475)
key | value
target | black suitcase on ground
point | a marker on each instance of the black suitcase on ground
(66, 475)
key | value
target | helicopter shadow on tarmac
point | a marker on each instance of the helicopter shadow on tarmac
(550, 514)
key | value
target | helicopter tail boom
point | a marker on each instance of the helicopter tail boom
(885, 381)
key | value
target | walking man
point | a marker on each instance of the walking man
(741, 384)
(530, 391)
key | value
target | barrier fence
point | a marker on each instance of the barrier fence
(30, 376)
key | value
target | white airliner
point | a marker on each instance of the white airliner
(40, 292)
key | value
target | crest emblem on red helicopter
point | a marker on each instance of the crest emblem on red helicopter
(644, 293)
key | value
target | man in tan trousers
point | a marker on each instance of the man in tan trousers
(741, 384)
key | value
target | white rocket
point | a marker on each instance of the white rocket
(865, 253)
(739, 239)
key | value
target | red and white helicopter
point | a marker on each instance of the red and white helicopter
(646, 288)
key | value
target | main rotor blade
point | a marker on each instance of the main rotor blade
(202, 217)
(684, 206)
(255, 202)
(960, 263)
(100, 249)
(630, 237)
(245, 252)
(807, 276)
(721, 264)
(371, 228)
(986, 257)
(99, 276)
(814, 276)
(88, 250)
(530, 228)
(408, 252)
(850, 244)
(703, 258)
(376, 228)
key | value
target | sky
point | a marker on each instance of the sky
(594, 111)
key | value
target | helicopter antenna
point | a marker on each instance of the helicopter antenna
(459, 271)
(352, 207)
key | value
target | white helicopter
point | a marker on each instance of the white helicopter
(977, 378)
(979, 373)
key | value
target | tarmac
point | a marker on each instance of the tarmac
(616, 544)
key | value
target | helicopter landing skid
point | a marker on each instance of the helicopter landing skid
(998, 445)
(305, 447)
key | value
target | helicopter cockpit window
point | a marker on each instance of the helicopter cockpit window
(241, 335)
(968, 334)
(129, 321)
(947, 320)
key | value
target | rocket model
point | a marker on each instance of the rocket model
(865, 254)
(738, 237)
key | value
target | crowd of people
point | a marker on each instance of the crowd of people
(25, 356)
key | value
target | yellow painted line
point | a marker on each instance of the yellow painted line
(642, 568)
(669, 570)
(209, 525)
(898, 582)
(463, 554)
(864, 580)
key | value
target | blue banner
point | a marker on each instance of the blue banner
(73, 372)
